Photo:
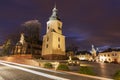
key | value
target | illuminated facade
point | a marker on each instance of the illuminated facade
(113, 56)
(53, 47)
(25, 47)
(29, 42)
(85, 56)
(89, 56)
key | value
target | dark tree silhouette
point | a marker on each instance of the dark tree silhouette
(7, 48)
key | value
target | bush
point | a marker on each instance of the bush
(75, 58)
(63, 67)
(114, 62)
(86, 70)
(117, 75)
(106, 62)
(48, 65)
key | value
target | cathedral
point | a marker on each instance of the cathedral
(29, 42)
(53, 47)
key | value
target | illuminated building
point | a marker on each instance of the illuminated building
(89, 56)
(53, 47)
(85, 56)
(113, 56)
(29, 42)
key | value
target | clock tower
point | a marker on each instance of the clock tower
(53, 47)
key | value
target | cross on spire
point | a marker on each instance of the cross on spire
(54, 15)
(55, 6)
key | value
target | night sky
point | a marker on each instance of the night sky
(85, 22)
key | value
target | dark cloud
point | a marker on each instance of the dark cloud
(85, 22)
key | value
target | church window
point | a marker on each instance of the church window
(58, 45)
(47, 38)
(47, 46)
(59, 39)
(115, 54)
(112, 54)
(105, 55)
(59, 28)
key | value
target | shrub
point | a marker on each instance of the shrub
(75, 58)
(117, 75)
(48, 65)
(106, 62)
(86, 70)
(63, 67)
(114, 62)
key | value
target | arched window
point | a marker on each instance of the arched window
(47, 46)
(47, 38)
(59, 39)
(105, 55)
(58, 45)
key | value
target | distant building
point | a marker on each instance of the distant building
(29, 43)
(113, 56)
(84, 56)
(93, 53)
(53, 47)
(89, 56)
(109, 55)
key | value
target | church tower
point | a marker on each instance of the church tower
(93, 52)
(53, 47)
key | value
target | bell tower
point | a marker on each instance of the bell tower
(53, 47)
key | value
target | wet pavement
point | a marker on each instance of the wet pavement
(7, 72)
(103, 69)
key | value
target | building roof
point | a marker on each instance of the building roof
(83, 52)
(110, 50)
(54, 15)
(18, 44)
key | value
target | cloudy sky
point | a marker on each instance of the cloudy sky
(85, 22)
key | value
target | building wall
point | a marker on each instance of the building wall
(54, 24)
(53, 43)
(109, 57)
(26, 49)
(87, 57)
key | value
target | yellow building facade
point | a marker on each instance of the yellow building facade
(113, 56)
(53, 47)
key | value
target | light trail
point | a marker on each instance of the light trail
(28, 66)
(35, 72)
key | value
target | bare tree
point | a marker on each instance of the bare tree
(7, 47)
(32, 32)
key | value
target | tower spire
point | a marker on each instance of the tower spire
(55, 6)
(54, 15)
